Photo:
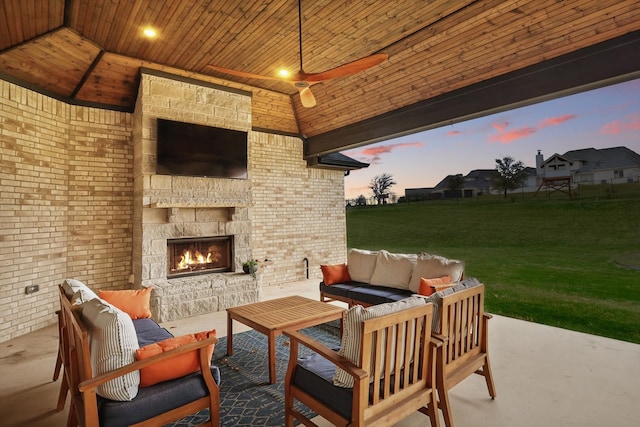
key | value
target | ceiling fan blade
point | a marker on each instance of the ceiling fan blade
(306, 97)
(242, 73)
(348, 69)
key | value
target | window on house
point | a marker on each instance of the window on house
(618, 173)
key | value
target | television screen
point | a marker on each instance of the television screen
(197, 150)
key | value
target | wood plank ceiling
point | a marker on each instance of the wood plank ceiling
(442, 55)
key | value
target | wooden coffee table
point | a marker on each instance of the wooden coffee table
(273, 316)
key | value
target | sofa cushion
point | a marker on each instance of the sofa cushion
(360, 264)
(427, 285)
(134, 302)
(332, 274)
(373, 295)
(339, 289)
(431, 266)
(351, 343)
(113, 345)
(154, 400)
(176, 367)
(393, 270)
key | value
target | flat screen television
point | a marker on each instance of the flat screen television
(191, 149)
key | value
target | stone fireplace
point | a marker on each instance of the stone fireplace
(189, 257)
(205, 223)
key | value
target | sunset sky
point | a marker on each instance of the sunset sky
(601, 118)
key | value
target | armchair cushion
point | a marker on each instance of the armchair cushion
(154, 400)
(316, 373)
(176, 367)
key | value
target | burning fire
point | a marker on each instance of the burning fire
(188, 260)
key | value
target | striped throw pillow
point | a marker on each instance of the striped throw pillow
(113, 345)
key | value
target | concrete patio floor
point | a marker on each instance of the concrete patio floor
(544, 376)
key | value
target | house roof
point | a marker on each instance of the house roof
(447, 60)
(593, 159)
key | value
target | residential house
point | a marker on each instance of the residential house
(614, 165)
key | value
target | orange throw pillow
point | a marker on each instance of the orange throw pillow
(133, 302)
(175, 367)
(426, 284)
(332, 274)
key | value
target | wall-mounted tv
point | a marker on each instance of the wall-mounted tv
(191, 149)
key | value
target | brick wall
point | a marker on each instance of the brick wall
(297, 212)
(67, 203)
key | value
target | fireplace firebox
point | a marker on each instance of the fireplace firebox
(186, 257)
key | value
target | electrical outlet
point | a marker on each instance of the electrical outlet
(31, 289)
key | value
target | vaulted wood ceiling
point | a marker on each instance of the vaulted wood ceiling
(448, 60)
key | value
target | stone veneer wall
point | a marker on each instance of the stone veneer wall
(67, 204)
(169, 207)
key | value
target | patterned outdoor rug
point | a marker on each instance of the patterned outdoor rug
(246, 397)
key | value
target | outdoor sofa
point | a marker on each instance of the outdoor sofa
(377, 277)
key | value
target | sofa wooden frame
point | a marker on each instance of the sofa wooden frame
(78, 377)
(376, 401)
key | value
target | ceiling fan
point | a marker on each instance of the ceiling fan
(303, 81)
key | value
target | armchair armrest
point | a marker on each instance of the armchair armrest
(201, 346)
(333, 356)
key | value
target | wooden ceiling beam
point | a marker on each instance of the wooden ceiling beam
(599, 65)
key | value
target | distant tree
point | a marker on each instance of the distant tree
(379, 186)
(455, 184)
(509, 174)
(361, 200)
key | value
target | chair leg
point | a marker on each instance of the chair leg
(62, 395)
(488, 376)
(56, 370)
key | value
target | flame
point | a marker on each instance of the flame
(188, 259)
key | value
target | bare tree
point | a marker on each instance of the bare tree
(509, 174)
(379, 186)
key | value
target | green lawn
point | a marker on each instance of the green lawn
(553, 261)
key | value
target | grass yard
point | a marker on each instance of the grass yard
(574, 264)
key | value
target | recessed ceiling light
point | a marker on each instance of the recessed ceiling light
(149, 32)
(283, 72)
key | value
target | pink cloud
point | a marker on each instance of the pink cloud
(373, 154)
(552, 121)
(512, 135)
(630, 123)
(500, 127)
(382, 149)
(454, 133)
(506, 136)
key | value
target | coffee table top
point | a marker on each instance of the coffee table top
(281, 313)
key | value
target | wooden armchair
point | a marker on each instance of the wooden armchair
(463, 328)
(401, 384)
(82, 384)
